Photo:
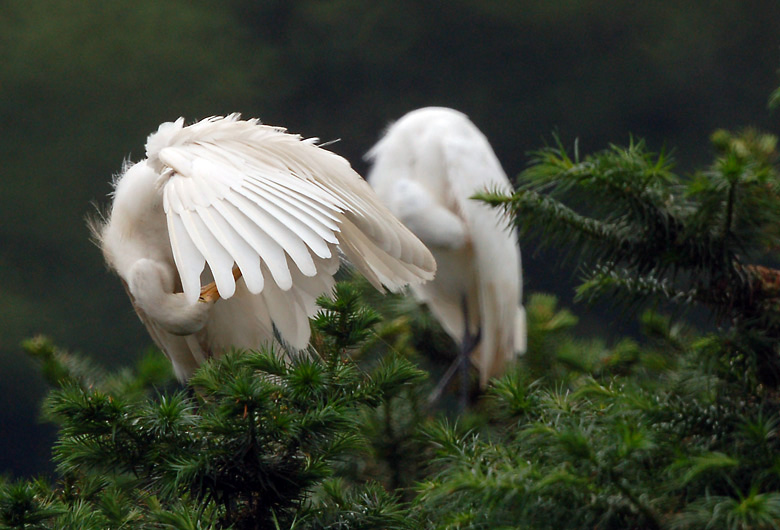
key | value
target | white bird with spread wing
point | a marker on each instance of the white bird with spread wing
(426, 169)
(229, 230)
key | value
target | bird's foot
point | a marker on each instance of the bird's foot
(209, 293)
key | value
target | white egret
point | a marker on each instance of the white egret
(425, 169)
(230, 230)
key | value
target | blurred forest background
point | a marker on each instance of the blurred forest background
(83, 83)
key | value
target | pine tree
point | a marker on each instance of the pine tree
(681, 432)
(244, 446)
(648, 235)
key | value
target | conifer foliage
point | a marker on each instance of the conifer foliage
(243, 446)
(677, 429)
(648, 235)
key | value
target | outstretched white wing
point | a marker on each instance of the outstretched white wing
(237, 194)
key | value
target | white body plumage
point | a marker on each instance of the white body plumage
(425, 169)
(260, 213)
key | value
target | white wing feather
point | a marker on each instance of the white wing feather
(237, 193)
(188, 259)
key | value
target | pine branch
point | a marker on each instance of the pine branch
(607, 282)
(677, 241)
(562, 225)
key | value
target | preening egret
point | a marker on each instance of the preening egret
(229, 229)
(425, 169)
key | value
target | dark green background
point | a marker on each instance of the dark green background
(83, 83)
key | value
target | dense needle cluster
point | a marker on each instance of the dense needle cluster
(645, 234)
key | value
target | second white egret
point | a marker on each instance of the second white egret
(426, 169)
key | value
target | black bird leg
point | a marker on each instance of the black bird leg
(461, 364)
